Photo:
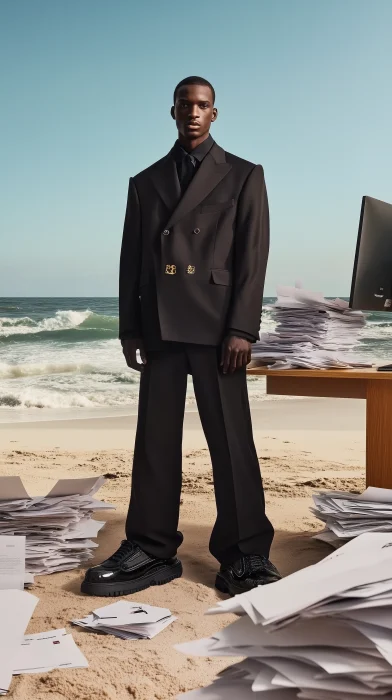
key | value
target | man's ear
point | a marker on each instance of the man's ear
(172, 113)
(214, 114)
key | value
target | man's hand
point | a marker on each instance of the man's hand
(130, 346)
(236, 353)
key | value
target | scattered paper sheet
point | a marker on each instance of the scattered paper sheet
(323, 633)
(33, 653)
(12, 562)
(16, 609)
(46, 651)
(82, 487)
(234, 690)
(128, 620)
(12, 489)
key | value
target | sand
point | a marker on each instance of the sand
(302, 446)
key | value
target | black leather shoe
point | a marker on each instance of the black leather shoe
(248, 572)
(129, 570)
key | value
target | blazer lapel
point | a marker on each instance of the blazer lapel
(211, 171)
(166, 181)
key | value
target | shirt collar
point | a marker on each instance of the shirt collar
(199, 152)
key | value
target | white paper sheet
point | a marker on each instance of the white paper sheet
(323, 632)
(302, 633)
(128, 620)
(16, 609)
(12, 562)
(80, 487)
(235, 691)
(45, 651)
(12, 489)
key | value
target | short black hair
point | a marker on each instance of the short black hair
(194, 80)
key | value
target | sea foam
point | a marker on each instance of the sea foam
(63, 320)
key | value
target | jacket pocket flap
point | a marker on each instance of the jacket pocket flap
(221, 277)
(217, 206)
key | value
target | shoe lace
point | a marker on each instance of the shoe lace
(123, 551)
(257, 561)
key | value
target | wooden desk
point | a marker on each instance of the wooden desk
(375, 387)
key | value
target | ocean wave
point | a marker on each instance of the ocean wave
(64, 325)
(376, 333)
(34, 397)
(15, 371)
(10, 401)
(10, 371)
(379, 324)
(56, 401)
(51, 400)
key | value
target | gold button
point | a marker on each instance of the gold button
(170, 270)
(196, 230)
(191, 269)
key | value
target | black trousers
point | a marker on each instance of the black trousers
(241, 525)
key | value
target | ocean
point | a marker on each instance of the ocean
(60, 358)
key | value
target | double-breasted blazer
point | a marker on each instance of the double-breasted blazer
(193, 267)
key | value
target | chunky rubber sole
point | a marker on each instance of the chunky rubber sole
(232, 590)
(222, 586)
(159, 578)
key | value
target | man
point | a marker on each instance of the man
(192, 269)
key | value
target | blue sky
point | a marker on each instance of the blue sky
(303, 86)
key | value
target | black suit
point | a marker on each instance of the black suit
(192, 270)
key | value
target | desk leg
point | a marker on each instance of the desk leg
(379, 434)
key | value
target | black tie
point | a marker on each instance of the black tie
(187, 171)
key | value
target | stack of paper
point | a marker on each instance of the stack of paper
(311, 332)
(347, 515)
(57, 527)
(128, 620)
(324, 632)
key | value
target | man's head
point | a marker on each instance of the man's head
(193, 109)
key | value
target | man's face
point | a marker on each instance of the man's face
(194, 111)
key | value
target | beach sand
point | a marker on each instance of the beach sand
(303, 445)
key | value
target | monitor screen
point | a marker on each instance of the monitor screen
(371, 288)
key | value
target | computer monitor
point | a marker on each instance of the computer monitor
(371, 288)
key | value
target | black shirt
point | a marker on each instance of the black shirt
(188, 163)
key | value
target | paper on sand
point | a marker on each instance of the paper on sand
(12, 562)
(57, 527)
(16, 609)
(323, 632)
(128, 620)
